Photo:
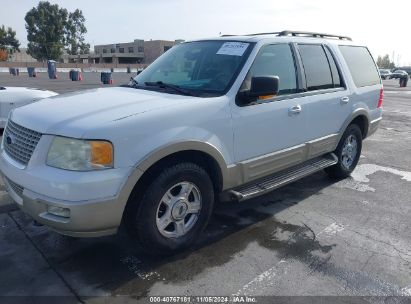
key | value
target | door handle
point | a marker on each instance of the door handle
(294, 110)
(345, 99)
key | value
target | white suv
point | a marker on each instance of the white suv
(216, 119)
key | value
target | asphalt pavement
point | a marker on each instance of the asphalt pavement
(315, 237)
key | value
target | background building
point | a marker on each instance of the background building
(155, 48)
(130, 52)
(138, 51)
(21, 56)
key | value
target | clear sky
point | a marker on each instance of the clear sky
(385, 26)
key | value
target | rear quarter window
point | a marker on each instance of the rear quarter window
(361, 65)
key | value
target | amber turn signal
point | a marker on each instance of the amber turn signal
(101, 153)
(266, 97)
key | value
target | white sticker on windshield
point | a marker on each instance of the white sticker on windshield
(233, 48)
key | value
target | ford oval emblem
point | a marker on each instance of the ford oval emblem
(9, 140)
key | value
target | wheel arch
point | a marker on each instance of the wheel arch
(212, 163)
(203, 154)
(363, 123)
(188, 149)
(361, 118)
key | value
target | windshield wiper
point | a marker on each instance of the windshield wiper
(132, 84)
(174, 87)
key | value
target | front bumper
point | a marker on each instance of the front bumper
(87, 218)
(96, 200)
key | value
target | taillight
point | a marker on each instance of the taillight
(379, 105)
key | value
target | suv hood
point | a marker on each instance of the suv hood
(73, 114)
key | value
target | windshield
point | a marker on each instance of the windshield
(204, 68)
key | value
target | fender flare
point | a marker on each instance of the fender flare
(166, 150)
(356, 113)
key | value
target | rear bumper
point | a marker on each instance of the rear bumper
(372, 128)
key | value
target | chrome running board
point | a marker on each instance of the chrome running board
(279, 179)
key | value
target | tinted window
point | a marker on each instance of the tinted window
(334, 71)
(361, 65)
(316, 67)
(274, 60)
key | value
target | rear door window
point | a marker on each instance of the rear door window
(316, 67)
(361, 65)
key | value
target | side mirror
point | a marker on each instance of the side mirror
(264, 86)
(261, 87)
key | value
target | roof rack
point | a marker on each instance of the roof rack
(312, 34)
(299, 34)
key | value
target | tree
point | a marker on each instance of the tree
(385, 62)
(51, 29)
(8, 41)
(45, 30)
(75, 31)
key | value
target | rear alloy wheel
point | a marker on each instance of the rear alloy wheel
(173, 211)
(348, 152)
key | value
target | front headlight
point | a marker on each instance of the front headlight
(80, 155)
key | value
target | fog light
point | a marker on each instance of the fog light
(58, 211)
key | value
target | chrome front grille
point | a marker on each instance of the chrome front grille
(20, 142)
(15, 187)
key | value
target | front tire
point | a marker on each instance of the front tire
(174, 210)
(348, 153)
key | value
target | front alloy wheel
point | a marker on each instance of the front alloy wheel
(178, 210)
(172, 210)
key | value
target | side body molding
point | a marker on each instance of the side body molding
(265, 165)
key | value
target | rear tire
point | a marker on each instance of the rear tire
(173, 211)
(348, 153)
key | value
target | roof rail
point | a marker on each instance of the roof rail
(230, 35)
(312, 34)
(299, 34)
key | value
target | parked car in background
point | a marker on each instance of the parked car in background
(398, 74)
(14, 97)
(405, 68)
(231, 118)
(385, 74)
